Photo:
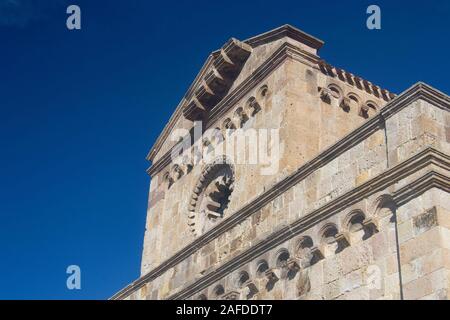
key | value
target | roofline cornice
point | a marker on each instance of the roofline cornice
(270, 36)
(286, 50)
(179, 110)
(289, 31)
(418, 91)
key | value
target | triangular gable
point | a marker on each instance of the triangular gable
(218, 73)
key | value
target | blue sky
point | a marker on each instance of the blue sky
(81, 109)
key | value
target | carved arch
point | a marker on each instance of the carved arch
(335, 90)
(177, 172)
(241, 117)
(252, 106)
(350, 102)
(202, 296)
(218, 291)
(306, 251)
(168, 180)
(354, 220)
(263, 92)
(359, 226)
(228, 126)
(332, 241)
(261, 267)
(211, 195)
(384, 207)
(367, 109)
(328, 232)
(281, 257)
(242, 278)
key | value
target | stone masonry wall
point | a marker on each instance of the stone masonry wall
(306, 126)
(358, 208)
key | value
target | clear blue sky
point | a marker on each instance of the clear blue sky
(80, 110)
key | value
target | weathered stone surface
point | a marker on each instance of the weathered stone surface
(357, 208)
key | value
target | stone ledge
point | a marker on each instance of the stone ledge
(426, 182)
(281, 54)
(286, 31)
(424, 158)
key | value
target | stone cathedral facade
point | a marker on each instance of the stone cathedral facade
(349, 200)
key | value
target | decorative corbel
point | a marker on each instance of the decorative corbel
(342, 240)
(364, 111)
(206, 142)
(293, 264)
(314, 255)
(249, 289)
(292, 267)
(241, 117)
(188, 165)
(177, 172)
(345, 104)
(272, 275)
(228, 127)
(253, 106)
(371, 224)
(325, 94)
(317, 254)
(232, 295)
(212, 214)
(169, 179)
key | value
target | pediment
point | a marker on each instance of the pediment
(218, 79)
(219, 74)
